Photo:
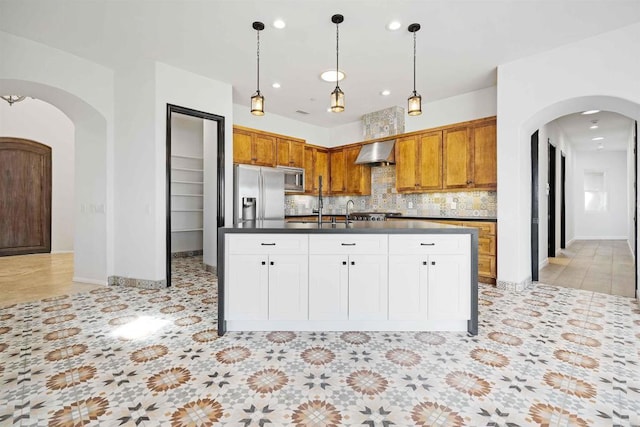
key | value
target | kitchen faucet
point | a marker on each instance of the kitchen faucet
(319, 210)
(346, 217)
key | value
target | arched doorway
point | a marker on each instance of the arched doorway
(538, 244)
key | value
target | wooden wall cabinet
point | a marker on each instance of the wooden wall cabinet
(253, 147)
(470, 156)
(419, 162)
(346, 176)
(290, 152)
(316, 164)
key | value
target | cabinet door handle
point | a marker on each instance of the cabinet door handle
(344, 262)
(469, 182)
(268, 244)
(424, 262)
(433, 263)
(272, 263)
(348, 244)
(353, 263)
(264, 262)
(427, 244)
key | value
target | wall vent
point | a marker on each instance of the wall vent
(301, 112)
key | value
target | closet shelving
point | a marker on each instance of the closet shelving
(187, 196)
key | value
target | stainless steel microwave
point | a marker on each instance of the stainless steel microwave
(293, 179)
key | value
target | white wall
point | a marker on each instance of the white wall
(278, 124)
(42, 122)
(535, 90)
(630, 193)
(84, 92)
(613, 222)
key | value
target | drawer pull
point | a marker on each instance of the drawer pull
(264, 262)
(427, 244)
(424, 262)
(433, 263)
(344, 262)
(272, 263)
(353, 263)
(348, 244)
(268, 244)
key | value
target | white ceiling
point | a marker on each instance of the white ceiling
(614, 128)
(459, 46)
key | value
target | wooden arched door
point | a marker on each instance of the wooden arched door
(25, 197)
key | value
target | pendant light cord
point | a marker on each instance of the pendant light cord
(414, 62)
(258, 62)
(337, 52)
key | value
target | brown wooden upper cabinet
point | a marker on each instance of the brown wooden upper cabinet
(253, 147)
(346, 176)
(316, 163)
(419, 162)
(290, 152)
(469, 157)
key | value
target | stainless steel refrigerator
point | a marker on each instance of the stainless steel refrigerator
(258, 193)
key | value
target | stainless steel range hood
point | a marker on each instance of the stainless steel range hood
(377, 153)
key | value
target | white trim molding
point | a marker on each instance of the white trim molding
(89, 281)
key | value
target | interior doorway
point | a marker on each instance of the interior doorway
(535, 210)
(551, 201)
(195, 185)
(563, 201)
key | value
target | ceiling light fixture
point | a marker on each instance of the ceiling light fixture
(593, 127)
(12, 99)
(257, 100)
(279, 24)
(586, 113)
(415, 100)
(385, 92)
(276, 85)
(394, 25)
(597, 138)
(337, 96)
(330, 76)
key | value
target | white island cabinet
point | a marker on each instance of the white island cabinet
(429, 277)
(399, 276)
(348, 277)
(267, 277)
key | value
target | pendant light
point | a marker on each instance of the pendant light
(415, 100)
(257, 100)
(337, 96)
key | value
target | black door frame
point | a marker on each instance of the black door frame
(220, 163)
(635, 204)
(563, 201)
(551, 205)
(535, 214)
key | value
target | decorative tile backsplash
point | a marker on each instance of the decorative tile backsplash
(379, 124)
(385, 198)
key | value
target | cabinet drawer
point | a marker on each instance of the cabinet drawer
(429, 244)
(487, 266)
(348, 244)
(487, 245)
(268, 243)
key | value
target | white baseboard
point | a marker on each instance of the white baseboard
(89, 281)
(61, 252)
(600, 238)
(543, 264)
(567, 244)
(631, 249)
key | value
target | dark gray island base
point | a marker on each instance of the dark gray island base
(388, 275)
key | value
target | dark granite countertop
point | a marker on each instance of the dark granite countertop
(360, 227)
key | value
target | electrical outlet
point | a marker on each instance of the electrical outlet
(454, 205)
(409, 205)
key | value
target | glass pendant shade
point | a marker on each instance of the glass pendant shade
(337, 100)
(415, 104)
(257, 104)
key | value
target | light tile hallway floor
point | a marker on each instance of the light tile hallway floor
(604, 266)
(151, 357)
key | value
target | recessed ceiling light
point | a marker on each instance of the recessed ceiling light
(600, 146)
(279, 24)
(597, 138)
(590, 112)
(593, 127)
(276, 85)
(330, 76)
(393, 25)
(385, 92)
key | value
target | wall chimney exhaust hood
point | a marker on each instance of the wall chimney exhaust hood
(377, 153)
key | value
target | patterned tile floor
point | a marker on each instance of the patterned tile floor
(126, 356)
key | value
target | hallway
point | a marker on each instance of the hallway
(604, 266)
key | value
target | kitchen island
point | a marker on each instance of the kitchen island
(377, 276)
